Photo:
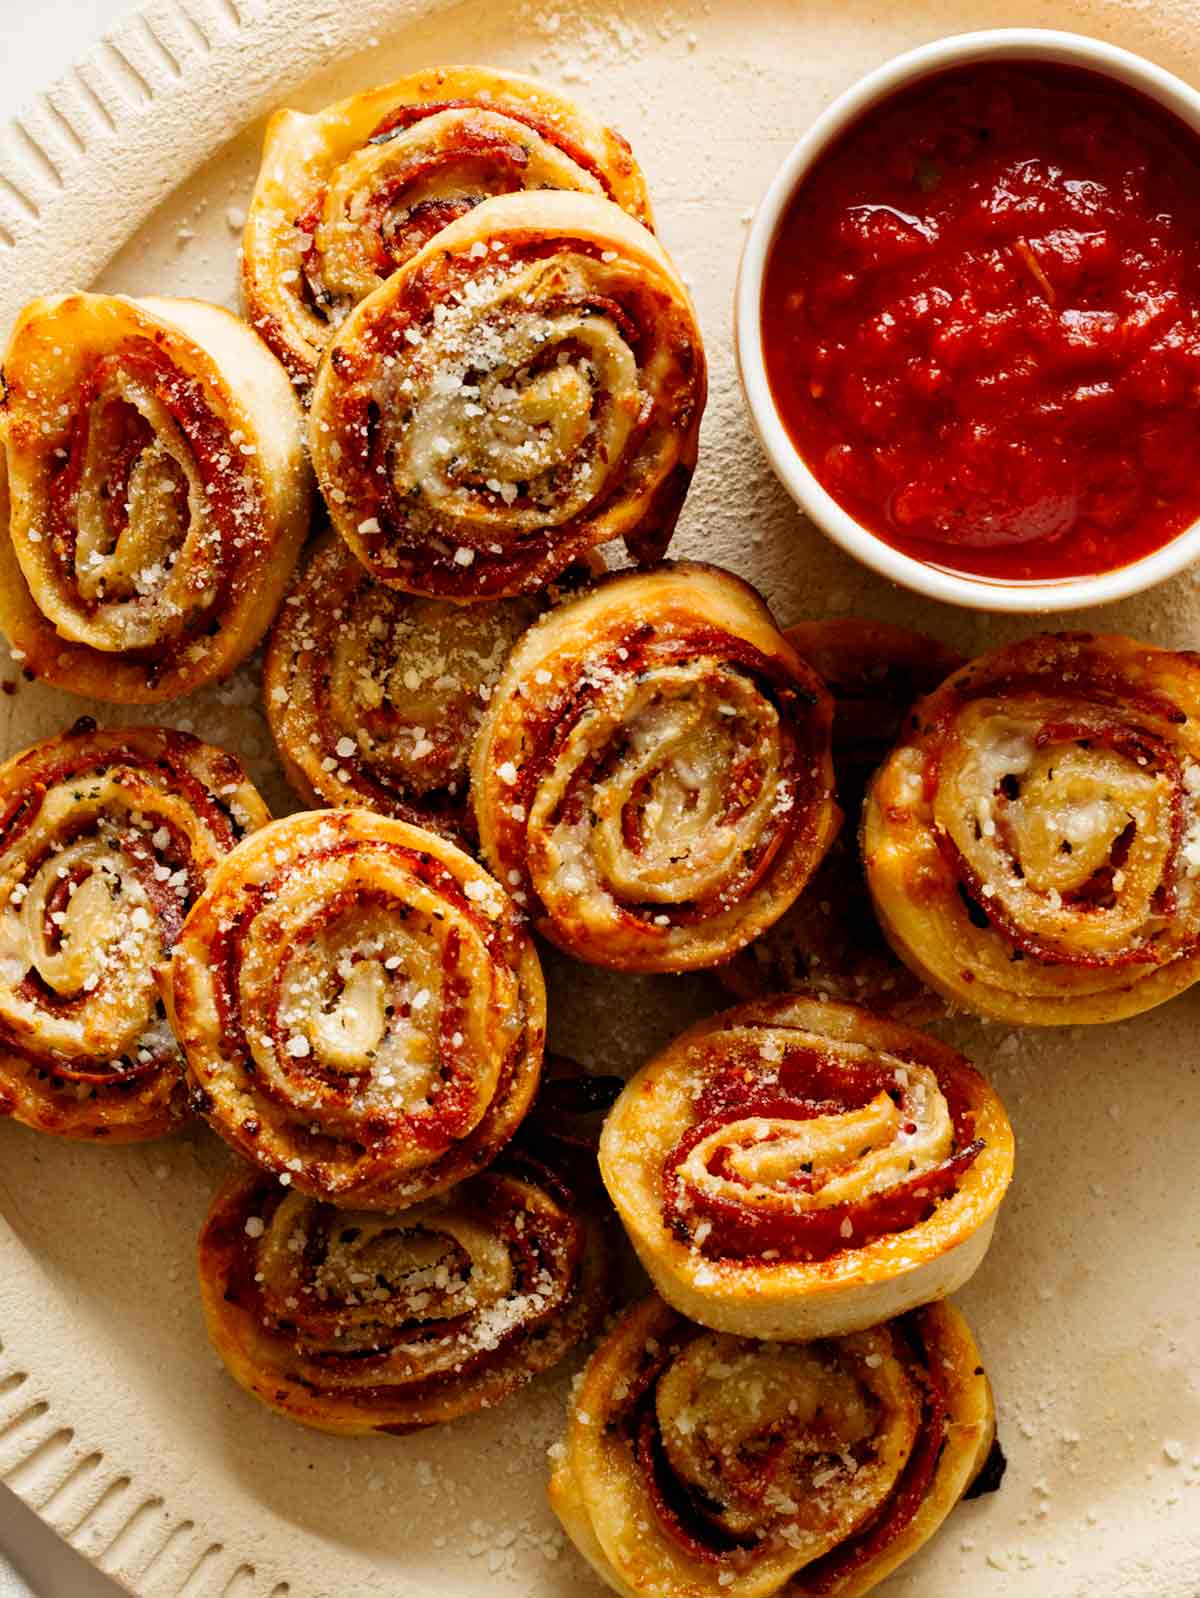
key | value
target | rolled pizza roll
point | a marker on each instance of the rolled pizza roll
(653, 772)
(159, 492)
(374, 696)
(345, 197)
(528, 386)
(830, 940)
(700, 1465)
(795, 1168)
(356, 1321)
(1032, 844)
(106, 839)
(362, 1011)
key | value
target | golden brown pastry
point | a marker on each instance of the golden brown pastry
(653, 773)
(374, 696)
(700, 1465)
(159, 494)
(526, 387)
(347, 196)
(356, 1321)
(106, 839)
(830, 940)
(1032, 844)
(362, 1010)
(796, 1168)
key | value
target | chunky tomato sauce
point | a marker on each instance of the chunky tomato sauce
(981, 316)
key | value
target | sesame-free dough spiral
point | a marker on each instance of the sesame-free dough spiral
(701, 1465)
(1032, 844)
(358, 1321)
(346, 196)
(159, 494)
(361, 1008)
(528, 386)
(374, 696)
(653, 773)
(106, 839)
(796, 1168)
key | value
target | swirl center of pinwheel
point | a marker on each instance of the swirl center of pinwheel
(772, 1144)
(405, 681)
(414, 1295)
(816, 1434)
(93, 895)
(517, 403)
(661, 789)
(1067, 822)
(357, 1002)
(134, 513)
(365, 1014)
(359, 1273)
(71, 912)
(135, 495)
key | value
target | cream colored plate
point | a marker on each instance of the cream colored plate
(115, 1420)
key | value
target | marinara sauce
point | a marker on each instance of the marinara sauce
(981, 316)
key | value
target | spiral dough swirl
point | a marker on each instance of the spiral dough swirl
(106, 839)
(357, 1321)
(374, 696)
(528, 386)
(361, 1008)
(798, 1168)
(159, 493)
(697, 1464)
(653, 773)
(1032, 844)
(346, 197)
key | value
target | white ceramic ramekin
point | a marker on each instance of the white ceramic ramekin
(980, 593)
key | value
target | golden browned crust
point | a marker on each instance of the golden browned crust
(361, 1008)
(527, 387)
(797, 1168)
(346, 196)
(106, 839)
(159, 494)
(1032, 844)
(873, 1438)
(470, 1296)
(654, 771)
